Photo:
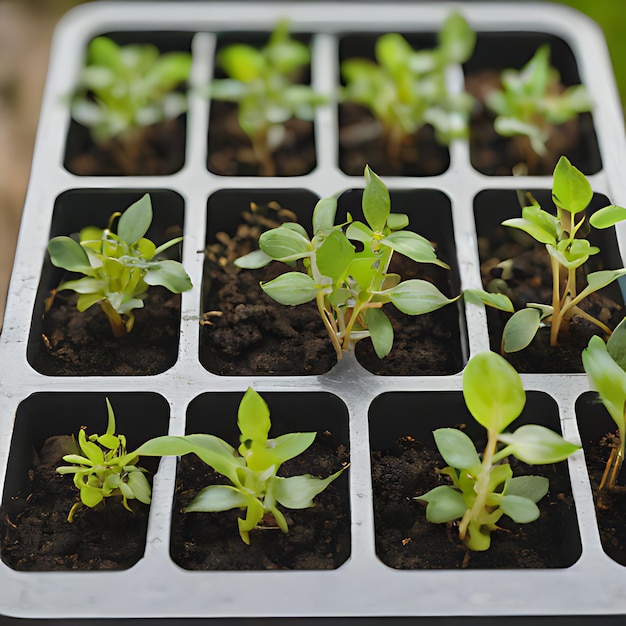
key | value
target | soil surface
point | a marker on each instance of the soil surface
(495, 155)
(362, 142)
(405, 540)
(36, 535)
(82, 344)
(318, 538)
(230, 149)
(246, 332)
(157, 150)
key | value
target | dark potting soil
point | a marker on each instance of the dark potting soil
(405, 540)
(318, 538)
(245, 332)
(361, 143)
(82, 344)
(159, 150)
(532, 282)
(230, 151)
(36, 535)
(495, 155)
(610, 503)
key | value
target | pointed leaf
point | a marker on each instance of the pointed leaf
(284, 243)
(381, 331)
(532, 487)
(169, 274)
(413, 246)
(520, 329)
(534, 230)
(253, 260)
(616, 345)
(292, 288)
(297, 492)
(140, 486)
(291, 445)
(519, 509)
(456, 448)
(537, 445)
(493, 391)
(570, 189)
(253, 417)
(68, 254)
(217, 498)
(496, 300)
(334, 255)
(445, 504)
(376, 202)
(136, 220)
(324, 215)
(415, 297)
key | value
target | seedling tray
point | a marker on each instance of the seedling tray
(590, 582)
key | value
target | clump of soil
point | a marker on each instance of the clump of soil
(405, 540)
(82, 344)
(362, 142)
(36, 535)
(230, 149)
(155, 151)
(318, 538)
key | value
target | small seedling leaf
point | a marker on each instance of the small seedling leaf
(520, 329)
(297, 492)
(334, 255)
(537, 445)
(413, 246)
(135, 220)
(68, 254)
(217, 498)
(415, 297)
(445, 504)
(571, 191)
(381, 331)
(253, 260)
(291, 445)
(140, 486)
(608, 216)
(169, 274)
(493, 391)
(519, 509)
(456, 448)
(292, 288)
(324, 215)
(284, 243)
(376, 201)
(532, 487)
(242, 62)
(495, 300)
(253, 417)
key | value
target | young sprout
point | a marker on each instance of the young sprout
(605, 365)
(251, 469)
(262, 83)
(405, 89)
(560, 233)
(532, 101)
(118, 268)
(104, 469)
(123, 89)
(483, 488)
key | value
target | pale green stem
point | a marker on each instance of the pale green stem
(556, 302)
(332, 332)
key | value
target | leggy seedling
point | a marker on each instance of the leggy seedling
(483, 488)
(118, 268)
(262, 83)
(605, 365)
(532, 101)
(405, 89)
(251, 469)
(104, 469)
(124, 89)
(560, 233)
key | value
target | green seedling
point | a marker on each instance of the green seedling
(262, 82)
(405, 89)
(251, 469)
(104, 469)
(351, 286)
(561, 235)
(532, 101)
(483, 488)
(123, 89)
(118, 268)
(605, 365)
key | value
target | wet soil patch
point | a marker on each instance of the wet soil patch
(318, 538)
(36, 535)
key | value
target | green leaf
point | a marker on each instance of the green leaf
(135, 220)
(334, 255)
(445, 504)
(496, 300)
(217, 498)
(415, 297)
(392, 52)
(253, 417)
(324, 215)
(532, 487)
(297, 492)
(292, 288)
(571, 191)
(456, 448)
(493, 391)
(90, 496)
(397, 221)
(381, 331)
(537, 445)
(169, 274)
(534, 230)
(607, 378)
(140, 486)
(376, 202)
(413, 246)
(68, 254)
(520, 329)
(253, 260)
(616, 345)
(608, 216)
(599, 280)
(457, 39)
(519, 509)
(242, 62)
(291, 445)
(284, 243)
(358, 231)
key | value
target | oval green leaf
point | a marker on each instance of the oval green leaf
(520, 329)
(456, 448)
(135, 221)
(537, 445)
(292, 288)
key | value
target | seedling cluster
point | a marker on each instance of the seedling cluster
(561, 235)
(118, 268)
(262, 82)
(405, 89)
(251, 470)
(102, 469)
(532, 101)
(483, 488)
